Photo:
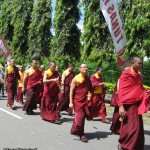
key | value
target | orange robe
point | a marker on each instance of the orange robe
(83, 86)
(20, 83)
(33, 89)
(130, 94)
(63, 104)
(97, 103)
(50, 98)
(12, 80)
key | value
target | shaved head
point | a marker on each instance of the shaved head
(137, 63)
(52, 62)
(52, 65)
(135, 59)
(12, 62)
(83, 68)
(82, 65)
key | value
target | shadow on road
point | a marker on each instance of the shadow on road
(147, 147)
(3, 98)
(100, 119)
(70, 120)
(97, 135)
(147, 132)
(18, 107)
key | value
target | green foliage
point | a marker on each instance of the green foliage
(14, 21)
(6, 29)
(66, 42)
(95, 34)
(39, 30)
(146, 87)
(20, 21)
(146, 73)
(136, 16)
(2, 60)
(110, 87)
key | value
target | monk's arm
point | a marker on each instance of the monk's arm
(94, 84)
(45, 80)
(72, 87)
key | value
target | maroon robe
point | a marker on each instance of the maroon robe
(12, 81)
(130, 94)
(116, 124)
(20, 95)
(81, 107)
(97, 103)
(63, 104)
(50, 99)
(33, 89)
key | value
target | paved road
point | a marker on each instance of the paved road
(18, 130)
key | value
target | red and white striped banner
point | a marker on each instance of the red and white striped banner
(110, 11)
(4, 50)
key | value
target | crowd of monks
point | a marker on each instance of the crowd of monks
(82, 96)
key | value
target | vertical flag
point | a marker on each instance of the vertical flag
(113, 20)
(4, 50)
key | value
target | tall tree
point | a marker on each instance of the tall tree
(21, 16)
(14, 21)
(66, 43)
(136, 16)
(96, 39)
(6, 29)
(39, 30)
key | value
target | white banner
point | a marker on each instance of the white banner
(112, 17)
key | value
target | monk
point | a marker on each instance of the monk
(97, 103)
(20, 84)
(67, 77)
(50, 95)
(80, 87)
(116, 124)
(57, 69)
(11, 80)
(42, 68)
(130, 97)
(32, 84)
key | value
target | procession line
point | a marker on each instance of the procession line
(16, 116)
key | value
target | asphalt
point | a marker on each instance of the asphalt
(23, 132)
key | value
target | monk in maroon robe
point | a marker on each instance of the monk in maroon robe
(11, 81)
(67, 77)
(97, 103)
(19, 97)
(32, 84)
(50, 95)
(116, 124)
(42, 69)
(130, 96)
(80, 87)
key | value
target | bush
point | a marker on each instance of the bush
(110, 87)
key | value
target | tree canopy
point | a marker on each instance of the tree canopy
(39, 35)
(66, 42)
(26, 26)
